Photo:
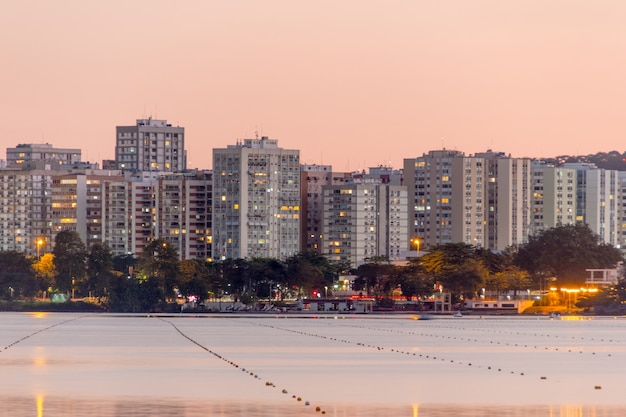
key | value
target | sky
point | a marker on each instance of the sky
(350, 83)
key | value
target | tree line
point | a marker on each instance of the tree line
(157, 277)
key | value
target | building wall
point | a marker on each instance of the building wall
(364, 221)
(429, 181)
(468, 201)
(597, 200)
(25, 210)
(42, 152)
(150, 145)
(256, 204)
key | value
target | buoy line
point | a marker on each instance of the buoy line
(399, 351)
(485, 330)
(377, 348)
(519, 344)
(235, 365)
(42, 330)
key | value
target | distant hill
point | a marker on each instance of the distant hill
(607, 160)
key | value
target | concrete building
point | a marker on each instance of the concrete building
(150, 145)
(173, 207)
(483, 200)
(25, 211)
(79, 204)
(597, 200)
(508, 197)
(363, 221)
(429, 181)
(312, 179)
(256, 200)
(622, 211)
(554, 197)
(45, 152)
(183, 208)
(379, 175)
(466, 207)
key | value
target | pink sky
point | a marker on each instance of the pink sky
(352, 83)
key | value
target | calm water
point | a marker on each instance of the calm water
(294, 365)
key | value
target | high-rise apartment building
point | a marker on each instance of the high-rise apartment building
(597, 200)
(508, 198)
(45, 152)
(312, 179)
(364, 221)
(25, 211)
(482, 200)
(172, 207)
(150, 145)
(554, 196)
(429, 181)
(79, 204)
(256, 200)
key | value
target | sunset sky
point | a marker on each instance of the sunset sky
(351, 83)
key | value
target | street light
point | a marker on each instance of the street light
(417, 243)
(39, 243)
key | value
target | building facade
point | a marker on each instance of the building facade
(554, 197)
(25, 211)
(24, 153)
(312, 179)
(256, 200)
(597, 201)
(150, 145)
(364, 221)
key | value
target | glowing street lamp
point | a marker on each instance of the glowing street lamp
(416, 241)
(39, 243)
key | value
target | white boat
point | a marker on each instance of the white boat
(458, 314)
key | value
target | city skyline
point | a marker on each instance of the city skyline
(350, 84)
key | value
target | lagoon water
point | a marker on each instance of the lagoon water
(294, 365)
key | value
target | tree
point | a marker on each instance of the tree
(306, 272)
(17, 276)
(193, 279)
(45, 272)
(70, 256)
(456, 267)
(159, 262)
(413, 281)
(265, 274)
(99, 270)
(566, 252)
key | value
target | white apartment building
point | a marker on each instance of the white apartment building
(150, 145)
(508, 198)
(363, 221)
(597, 201)
(25, 211)
(554, 196)
(483, 200)
(24, 153)
(256, 200)
(622, 210)
(312, 179)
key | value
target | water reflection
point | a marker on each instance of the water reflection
(148, 407)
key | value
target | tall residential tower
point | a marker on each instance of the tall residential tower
(256, 200)
(150, 145)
